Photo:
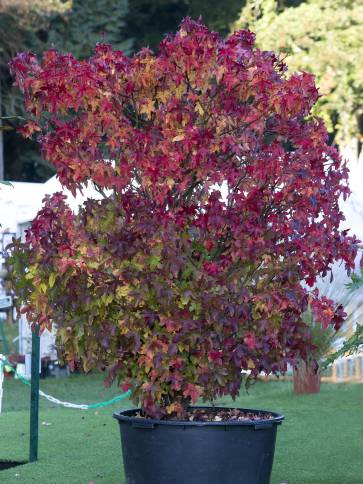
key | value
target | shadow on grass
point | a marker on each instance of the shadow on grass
(8, 464)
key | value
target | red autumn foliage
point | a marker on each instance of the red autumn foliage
(171, 286)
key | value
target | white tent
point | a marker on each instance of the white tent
(20, 202)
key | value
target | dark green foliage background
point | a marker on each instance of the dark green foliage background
(147, 22)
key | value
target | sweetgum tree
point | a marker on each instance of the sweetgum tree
(220, 197)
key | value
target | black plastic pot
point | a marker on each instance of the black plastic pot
(178, 452)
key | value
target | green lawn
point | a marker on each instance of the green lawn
(321, 440)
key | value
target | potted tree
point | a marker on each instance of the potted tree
(326, 338)
(306, 372)
(218, 196)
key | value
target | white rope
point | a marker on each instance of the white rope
(4, 361)
(61, 402)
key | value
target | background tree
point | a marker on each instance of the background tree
(325, 38)
(148, 22)
(23, 24)
(83, 25)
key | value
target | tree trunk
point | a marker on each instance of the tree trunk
(306, 379)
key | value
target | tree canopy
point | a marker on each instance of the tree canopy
(76, 26)
(166, 283)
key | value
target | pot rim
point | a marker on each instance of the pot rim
(126, 416)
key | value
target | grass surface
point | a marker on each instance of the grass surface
(320, 442)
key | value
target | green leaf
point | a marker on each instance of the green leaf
(154, 262)
(52, 278)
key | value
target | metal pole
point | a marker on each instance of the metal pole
(34, 396)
